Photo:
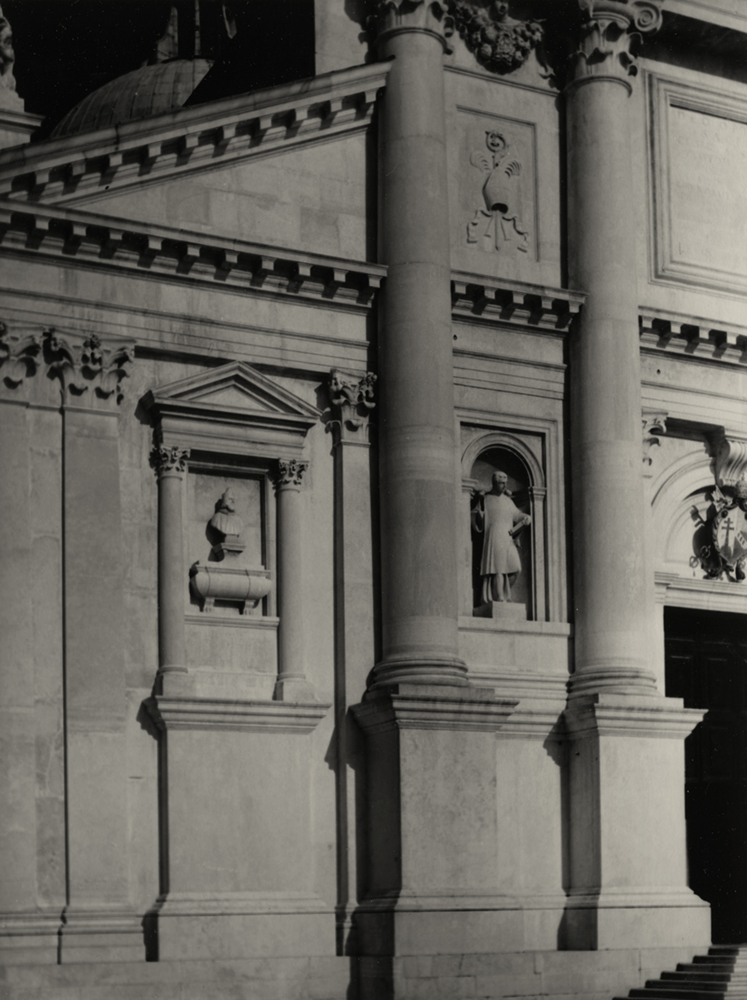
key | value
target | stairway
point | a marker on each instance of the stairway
(722, 973)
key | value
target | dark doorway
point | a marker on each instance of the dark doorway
(706, 664)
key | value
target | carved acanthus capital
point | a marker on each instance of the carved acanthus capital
(499, 42)
(610, 33)
(169, 460)
(429, 16)
(654, 425)
(351, 403)
(19, 355)
(86, 361)
(290, 473)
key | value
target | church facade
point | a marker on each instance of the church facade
(374, 484)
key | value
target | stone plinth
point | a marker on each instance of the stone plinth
(432, 838)
(236, 880)
(507, 610)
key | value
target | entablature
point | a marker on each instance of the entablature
(693, 336)
(517, 303)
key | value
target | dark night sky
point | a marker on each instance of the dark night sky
(65, 49)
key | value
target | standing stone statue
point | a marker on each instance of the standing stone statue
(501, 521)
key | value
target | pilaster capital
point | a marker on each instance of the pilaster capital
(84, 362)
(610, 32)
(426, 16)
(290, 474)
(351, 402)
(169, 460)
(20, 355)
(654, 425)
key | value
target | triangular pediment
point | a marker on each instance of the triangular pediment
(81, 169)
(235, 386)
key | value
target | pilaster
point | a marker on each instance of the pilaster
(352, 401)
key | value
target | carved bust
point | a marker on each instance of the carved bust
(225, 519)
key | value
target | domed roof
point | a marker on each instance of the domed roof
(150, 90)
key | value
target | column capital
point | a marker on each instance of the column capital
(429, 17)
(20, 355)
(654, 425)
(169, 460)
(351, 401)
(610, 31)
(290, 474)
(86, 361)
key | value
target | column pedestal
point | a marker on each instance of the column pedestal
(432, 835)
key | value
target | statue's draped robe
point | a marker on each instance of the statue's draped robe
(500, 555)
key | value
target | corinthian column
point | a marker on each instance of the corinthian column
(170, 464)
(418, 488)
(609, 565)
(627, 858)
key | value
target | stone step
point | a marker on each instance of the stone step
(704, 977)
(676, 994)
(686, 983)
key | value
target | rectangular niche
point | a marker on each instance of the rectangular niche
(206, 483)
(495, 227)
(699, 148)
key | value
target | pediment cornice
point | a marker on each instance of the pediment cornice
(77, 168)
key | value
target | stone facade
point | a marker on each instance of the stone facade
(259, 360)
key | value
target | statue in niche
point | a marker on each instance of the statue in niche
(500, 521)
(226, 525)
(498, 224)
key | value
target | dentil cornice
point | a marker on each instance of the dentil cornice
(610, 32)
(429, 16)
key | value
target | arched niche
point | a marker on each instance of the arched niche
(502, 451)
(679, 509)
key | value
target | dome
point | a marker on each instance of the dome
(150, 90)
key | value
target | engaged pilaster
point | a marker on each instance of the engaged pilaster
(417, 471)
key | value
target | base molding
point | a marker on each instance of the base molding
(101, 935)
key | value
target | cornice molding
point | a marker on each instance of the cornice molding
(693, 336)
(514, 302)
(96, 240)
(203, 137)
(171, 713)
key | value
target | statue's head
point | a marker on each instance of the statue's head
(499, 9)
(496, 143)
(227, 502)
(7, 55)
(500, 482)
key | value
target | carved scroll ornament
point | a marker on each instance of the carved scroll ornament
(498, 223)
(654, 425)
(499, 42)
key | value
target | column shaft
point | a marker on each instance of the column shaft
(291, 683)
(609, 577)
(418, 478)
(171, 574)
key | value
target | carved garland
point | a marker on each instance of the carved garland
(500, 43)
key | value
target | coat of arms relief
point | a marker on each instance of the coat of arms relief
(721, 549)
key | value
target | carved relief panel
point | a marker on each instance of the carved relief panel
(495, 230)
